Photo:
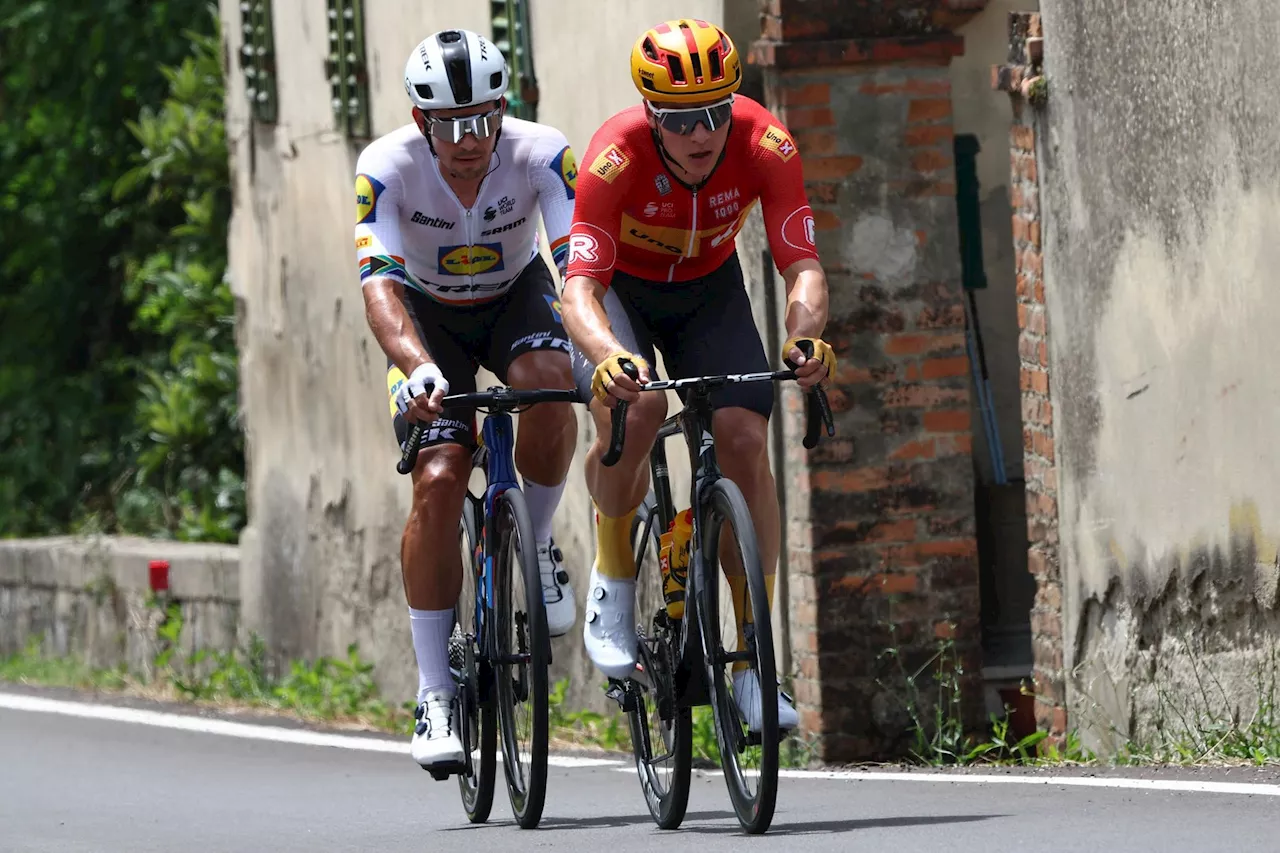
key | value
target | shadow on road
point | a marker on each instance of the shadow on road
(605, 821)
(779, 826)
(597, 822)
(833, 826)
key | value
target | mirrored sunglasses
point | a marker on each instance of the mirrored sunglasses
(481, 126)
(682, 120)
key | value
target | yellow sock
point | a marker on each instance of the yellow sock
(613, 546)
(742, 614)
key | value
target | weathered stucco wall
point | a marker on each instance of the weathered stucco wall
(1161, 202)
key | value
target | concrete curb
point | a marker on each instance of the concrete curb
(197, 571)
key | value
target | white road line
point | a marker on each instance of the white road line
(202, 725)
(1251, 788)
(1259, 789)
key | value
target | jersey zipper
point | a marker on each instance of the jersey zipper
(471, 248)
(693, 238)
(466, 212)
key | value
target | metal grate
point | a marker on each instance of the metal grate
(258, 60)
(346, 68)
(513, 36)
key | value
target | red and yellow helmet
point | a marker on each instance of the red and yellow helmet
(685, 61)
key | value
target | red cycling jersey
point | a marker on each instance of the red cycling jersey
(630, 214)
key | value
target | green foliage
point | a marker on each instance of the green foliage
(188, 474)
(117, 357)
(1205, 723)
(584, 727)
(932, 697)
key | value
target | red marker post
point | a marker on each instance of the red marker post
(159, 575)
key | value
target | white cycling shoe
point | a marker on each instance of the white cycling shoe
(610, 630)
(557, 592)
(746, 692)
(436, 745)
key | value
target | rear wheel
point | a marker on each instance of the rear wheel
(750, 760)
(522, 648)
(661, 731)
(477, 719)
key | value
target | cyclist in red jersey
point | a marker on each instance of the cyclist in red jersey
(666, 187)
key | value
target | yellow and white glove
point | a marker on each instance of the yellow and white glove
(822, 352)
(610, 369)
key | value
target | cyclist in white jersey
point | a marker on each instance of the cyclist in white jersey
(447, 246)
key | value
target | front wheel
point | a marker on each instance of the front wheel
(522, 649)
(744, 755)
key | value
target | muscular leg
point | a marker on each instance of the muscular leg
(610, 633)
(622, 487)
(548, 432)
(618, 491)
(545, 441)
(433, 574)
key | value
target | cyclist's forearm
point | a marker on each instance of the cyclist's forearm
(806, 315)
(585, 320)
(391, 325)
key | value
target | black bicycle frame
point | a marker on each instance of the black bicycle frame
(694, 421)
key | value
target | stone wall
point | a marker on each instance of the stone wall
(87, 598)
(881, 533)
(1022, 78)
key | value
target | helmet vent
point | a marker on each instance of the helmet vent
(717, 67)
(423, 90)
(649, 50)
(677, 69)
(495, 79)
(697, 63)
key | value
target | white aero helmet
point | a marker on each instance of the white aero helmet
(455, 68)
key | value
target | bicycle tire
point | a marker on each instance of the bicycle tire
(516, 546)
(476, 704)
(667, 803)
(724, 502)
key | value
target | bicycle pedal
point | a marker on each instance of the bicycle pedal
(441, 772)
(619, 693)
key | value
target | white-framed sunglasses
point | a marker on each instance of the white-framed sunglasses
(682, 120)
(481, 126)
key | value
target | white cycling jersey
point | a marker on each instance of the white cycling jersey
(411, 227)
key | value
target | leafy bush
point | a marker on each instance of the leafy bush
(117, 357)
(189, 462)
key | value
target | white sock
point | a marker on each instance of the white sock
(542, 501)
(431, 630)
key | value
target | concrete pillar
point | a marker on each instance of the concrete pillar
(881, 540)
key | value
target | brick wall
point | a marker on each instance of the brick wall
(881, 519)
(1021, 77)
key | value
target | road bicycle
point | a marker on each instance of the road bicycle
(683, 663)
(500, 648)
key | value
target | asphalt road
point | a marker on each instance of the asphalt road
(75, 782)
